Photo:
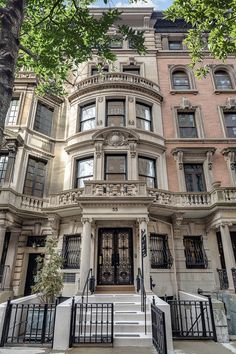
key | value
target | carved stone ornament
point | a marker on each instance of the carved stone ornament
(100, 99)
(116, 139)
(230, 157)
(210, 159)
(98, 148)
(131, 99)
(179, 159)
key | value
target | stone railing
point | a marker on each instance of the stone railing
(129, 189)
(9, 198)
(118, 78)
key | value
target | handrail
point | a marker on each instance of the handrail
(143, 296)
(88, 286)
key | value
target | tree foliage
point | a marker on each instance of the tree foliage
(49, 278)
(213, 28)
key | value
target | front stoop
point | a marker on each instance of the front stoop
(129, 325)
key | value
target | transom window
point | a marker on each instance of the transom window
(147, 171)
(12, 113)
(180, 80)
(159, 251)
(115, 168)
(71, 251)
(87, 117)
(222, 80)
(115, 113)
(194, 252)
(96, 71)
(143, 116)
(187, 125)
(131, 70)
(3, 167)
(84, 171)
(194, 178)
(175, 45)
(230, 124)
(35, 177)
(43, 119)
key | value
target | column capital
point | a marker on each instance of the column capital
(224, 224)
(143, 219)
(85, 220)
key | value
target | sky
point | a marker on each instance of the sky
(157, 4)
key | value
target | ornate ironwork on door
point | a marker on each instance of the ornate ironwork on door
(115, 257)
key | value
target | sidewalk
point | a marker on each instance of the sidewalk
(203, 347)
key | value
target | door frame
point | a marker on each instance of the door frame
(131, 233)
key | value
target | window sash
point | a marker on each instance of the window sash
(43, 119)
(175, 45)
(222, 80)
(35, 178)
(116, 42)
(230, 124)
(12, 112)
(143, 116)
(84, 171)
(131, 70)
(115, 113)
(187, 125)
(87, 117)
(115, 167)
(180, 81)
(3, 167)
(194, 178)
(147, 171)
(194, 252)
(71, 250)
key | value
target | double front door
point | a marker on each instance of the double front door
(115, 256)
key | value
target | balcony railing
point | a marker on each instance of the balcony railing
(160, 197)
(135, 82)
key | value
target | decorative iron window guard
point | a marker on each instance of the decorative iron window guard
(223, 278)
(71, 251)
(194, 252)
(160, 254)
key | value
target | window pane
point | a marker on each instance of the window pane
(87, 125)
(115, 108)
(132, 70)
(35, 178)
(146, 167)
(115, 164)
(143, 111)
(12, 113)
(187, 128)
(175, 45)
(194, 178)
(84, 171)
(143, 124)
(87, 112)
(222, 80)
(230, 123)
(116, 42)
(43, 119)
(180, 80)
(95, 71)
(115, 121)
(115, 177)
(150, 181)
(3, 167)
(187, 132)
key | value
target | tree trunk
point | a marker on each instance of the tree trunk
(11, 21)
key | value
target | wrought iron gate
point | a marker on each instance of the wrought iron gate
(158, 329)
(28, 323)
(91, 323)
(115, 256)
(192, 319)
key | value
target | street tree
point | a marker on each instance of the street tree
(212, 32)
(51, 37)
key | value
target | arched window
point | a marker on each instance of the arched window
(180, 80)
(222, 80)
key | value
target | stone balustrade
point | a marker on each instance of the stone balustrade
(118, 78)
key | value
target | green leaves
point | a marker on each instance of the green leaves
(213, 29)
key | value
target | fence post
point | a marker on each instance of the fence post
(212, 319)
(164, 330)
(45, 311)
(203, 319)
(6, 323)
(72, 322)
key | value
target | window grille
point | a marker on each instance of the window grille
(69, 277)
(194, 252)
(71, 251)
(160, 254)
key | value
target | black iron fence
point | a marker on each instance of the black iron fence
(234, 277)
(91, 323)
(28, 324)
(158, 329)
(192, 319)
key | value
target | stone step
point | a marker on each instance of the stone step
(131, 327)
(131, 315)
(114, 298)
(132, 340)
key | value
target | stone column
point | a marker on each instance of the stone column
(11, 163)
(11, 256)
(143, 228)
(85, 252)
(228, 253)
(2, 238)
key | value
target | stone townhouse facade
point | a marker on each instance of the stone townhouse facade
(144, 148)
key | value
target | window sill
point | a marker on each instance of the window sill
(173, 92)
(218, 92)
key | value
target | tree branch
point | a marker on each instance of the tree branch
(49, 15)
(28, 51)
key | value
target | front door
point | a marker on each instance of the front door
(33, 268)
(115, 256)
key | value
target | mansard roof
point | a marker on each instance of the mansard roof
(163, 25)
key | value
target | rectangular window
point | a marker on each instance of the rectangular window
(115, 113)
(71, 251)
(35, 178)
(194, 252)
(96, 71)
(194, 178)
(69, 277)
(147, 171)
(87, 117)
(12, 113)
(143, 116)
(135, 70)
(159, 252)
(187, 125)
(115, 168)
(43, 119)
(116, 42)
(84, 171)
(230, 124)
(175, 45)
(3, 167)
